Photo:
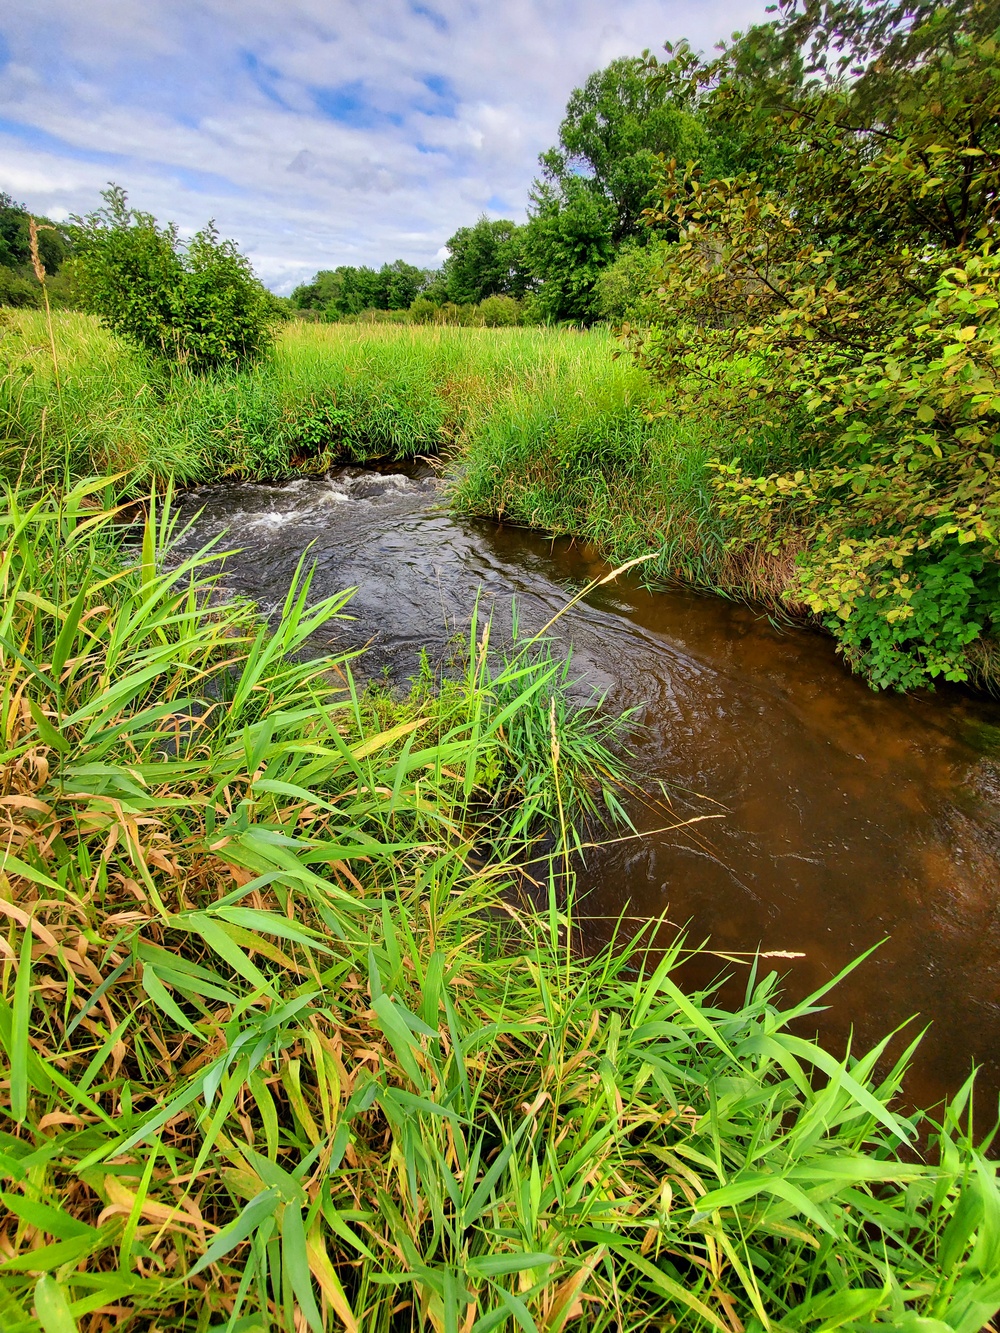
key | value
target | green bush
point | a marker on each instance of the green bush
(199, 305)
(856, 274)
(623, 290)
(498, 312)
(17, 290)
(376, 315)
(422, 310)
(464, 316)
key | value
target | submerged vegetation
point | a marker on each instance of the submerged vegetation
(283, 1049)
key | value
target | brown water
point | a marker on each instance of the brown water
(843, 817)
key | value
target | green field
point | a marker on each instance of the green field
(282, 1047)
(539, 427)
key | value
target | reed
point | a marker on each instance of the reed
(282, 1050)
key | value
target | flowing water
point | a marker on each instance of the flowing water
(840, 817)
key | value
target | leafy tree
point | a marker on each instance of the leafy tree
(857, 274)
(18, 284)
(17, 290)
(15, 249)
(567, 243)
(348, 290)
(599, 178)
(498, 312)
(319, 294)
(401, 282)
(199, 304)
(615, 128)
(623, 290)
(13, 233)
(362, 288)
(435, 287)
(485, 260)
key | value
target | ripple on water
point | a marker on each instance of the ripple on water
(848, 816)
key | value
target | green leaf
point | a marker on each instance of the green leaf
(158, 993)
(296, 1262)
(19, 1049)
(493, 1265)
(50, 1257)
(845, 1307)
(47, 731)
(260, 1206)
(10, 864)
(51, 1221)
(52, 1307)
(216, 937)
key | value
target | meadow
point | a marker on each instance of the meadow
(540, 427)
(284, 1048)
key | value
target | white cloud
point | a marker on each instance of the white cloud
(316, 132)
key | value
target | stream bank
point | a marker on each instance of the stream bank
(829, 818)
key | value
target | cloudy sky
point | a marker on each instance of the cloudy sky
(316, 132)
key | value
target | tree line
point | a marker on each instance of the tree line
(18, 282)
(584, 253)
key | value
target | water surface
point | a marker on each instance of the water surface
(846, 816)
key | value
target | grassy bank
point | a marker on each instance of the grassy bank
(546, 428)
(540, 427)
(281, 1052)
(328, 392)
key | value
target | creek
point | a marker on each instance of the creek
(841, 817)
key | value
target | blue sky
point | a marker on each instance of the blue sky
(315, 132)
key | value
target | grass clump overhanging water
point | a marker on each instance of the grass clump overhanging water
(282, 1051)
(542, 427)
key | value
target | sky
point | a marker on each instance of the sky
(314, 132)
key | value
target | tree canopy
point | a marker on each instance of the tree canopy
(486, 259)
(349, 290)
(587, 203)
(615, 128)
(855, 275)
(18, 285)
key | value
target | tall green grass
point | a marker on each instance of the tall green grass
(281, 1049)
(327, 393)
(543, 428)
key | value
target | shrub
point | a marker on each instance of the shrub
(17, 290)
(498, 312)
(422, 311)
(199, 305)
(623, 290)
(856, 274)
(462, 315)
